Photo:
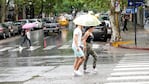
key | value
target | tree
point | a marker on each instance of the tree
(3, 9)
(114, 22)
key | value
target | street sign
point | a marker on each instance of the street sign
(136, 3)
(117, 6)
(131, 10)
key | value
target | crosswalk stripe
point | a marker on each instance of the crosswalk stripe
(49, 47)
(133, 62)
(127, 61)
(6, 48)
(65, 47)
(95, 46)
(124, 66)
(127, 78)
(137, 82)
(131, 70)
(137, 54)
(129, 73)
(13, 49)
(127, 69)
(34, 48)
(16, 49)
(127, 64)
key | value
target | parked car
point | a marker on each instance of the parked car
(4, 31)
(20, 23)
(105, 19)
(13, 28)
(100, 32)
(51, 27)
(38, 23)
(103, 31)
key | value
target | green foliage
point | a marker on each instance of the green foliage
(59, 6)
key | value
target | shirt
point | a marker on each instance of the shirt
(90, 38)
(28, 35)
(79, 33)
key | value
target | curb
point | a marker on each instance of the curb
(137, 48)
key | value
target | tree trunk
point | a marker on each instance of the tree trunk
(16, 12)
(114, 23)
(24, 9)
(3, 10)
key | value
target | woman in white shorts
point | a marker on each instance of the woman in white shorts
(78, 52)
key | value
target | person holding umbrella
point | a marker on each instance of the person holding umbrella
(78, 52)
(26, 35)
(83, 20)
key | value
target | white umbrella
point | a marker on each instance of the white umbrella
(87, 20)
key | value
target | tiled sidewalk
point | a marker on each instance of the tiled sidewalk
(142, 37)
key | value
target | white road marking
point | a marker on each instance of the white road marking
(65, 47)
(130, 73)
(128, 78)
(34, 48)
(95, 46)
(16, 49)
(131, 69)
(137, 54)
(35, 42)
(49, 47)
(130, 65)
(137, 82)
(6, 48)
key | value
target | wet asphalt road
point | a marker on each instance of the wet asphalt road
(52, 64)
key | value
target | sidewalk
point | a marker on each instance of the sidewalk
(142, 37)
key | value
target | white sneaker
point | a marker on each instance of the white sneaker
(31, 48)
(86, 71)
(77, 73)
(20, 47)
(94, 70)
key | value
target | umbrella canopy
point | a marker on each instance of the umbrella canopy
(29, 25)
(86, 20)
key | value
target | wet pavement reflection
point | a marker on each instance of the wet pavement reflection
(41, 57)
(52, 60)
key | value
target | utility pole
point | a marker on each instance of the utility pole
(135, 22)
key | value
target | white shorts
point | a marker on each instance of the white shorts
(77, 53)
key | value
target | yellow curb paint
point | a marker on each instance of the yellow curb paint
(116, 44)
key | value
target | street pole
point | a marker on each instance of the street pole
(135, 22)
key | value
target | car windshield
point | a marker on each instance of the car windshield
(105, 18)
(2, 25)
(21, 22)
(32, 21)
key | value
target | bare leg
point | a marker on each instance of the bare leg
(75, 63)
(81, 59)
